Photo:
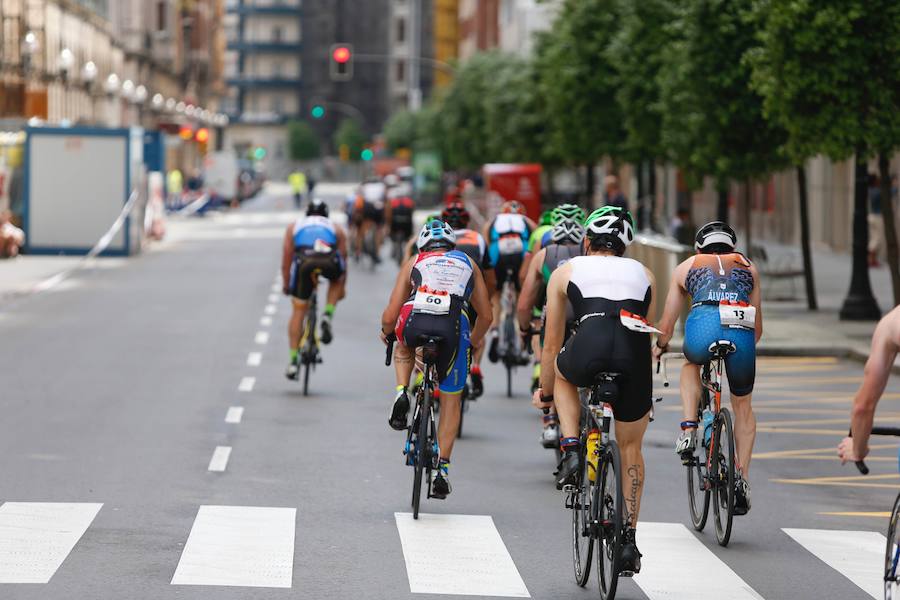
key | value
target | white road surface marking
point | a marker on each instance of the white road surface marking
(219, 459)
(246, 384)
(270, 309)
(234, 414)
(36, 537)
(857, 555)
(248, 546)
(675, 562)
(254, 359)
(273, 298)
(262, 337)
(457, 554)
(265, 321)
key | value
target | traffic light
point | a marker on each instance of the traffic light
(366, 155)
(341, 62)
(202, 137)
(317, 111)
(259, 153)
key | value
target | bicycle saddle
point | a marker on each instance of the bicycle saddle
(722, 348)
(606, 385)
(429, 345)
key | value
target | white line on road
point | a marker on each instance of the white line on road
(36, 537)
(246, 384)
(857, 555)
(276, 288)
(249, 546)
(254, 359)
(273, 298)
(219, 459)
(270, 309)
(262, 337)
(265, 321)
(234, 414)
(675, 561)
(457, 554)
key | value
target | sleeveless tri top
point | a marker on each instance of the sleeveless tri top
(308, 230)
(716, 277)
(602, 285)
(446, 272)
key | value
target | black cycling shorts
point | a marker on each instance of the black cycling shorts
(303, 279)
(604, 345)
(373, 213)
(454, 353)
(402, 223)
(507, 269)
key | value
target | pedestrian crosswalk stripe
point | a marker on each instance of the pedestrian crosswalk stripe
(457, 554)
(857, 555)
(36, 537)
(248, 546)
(675, 563)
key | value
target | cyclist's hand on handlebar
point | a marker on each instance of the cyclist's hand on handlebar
(846, 452)
(386, 337)
(537, 402)
(658, 352)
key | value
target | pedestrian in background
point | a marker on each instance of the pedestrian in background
(613, 195)
(174, 188)
(299, 187)
(876, 221)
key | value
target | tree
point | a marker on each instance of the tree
(830, 75)
(400, 130)
(350, 134)
(303, 143)
(464, 125)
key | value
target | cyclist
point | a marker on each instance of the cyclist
(438, 269)
(599, 285)
(507, 235)
(719, 280)
(885, 346)
(567, 236)
(472, 244)
(370, 215)
(313, 246)
(399, 211)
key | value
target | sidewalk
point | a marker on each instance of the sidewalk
(18, 276)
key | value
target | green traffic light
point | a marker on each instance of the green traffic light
(318, 111)
(366, 154)
(259, 153)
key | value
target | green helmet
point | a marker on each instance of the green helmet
(546, 218)
(612, 226)
(568, 212)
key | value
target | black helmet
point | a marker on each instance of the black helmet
(317, 207)
(715, 238)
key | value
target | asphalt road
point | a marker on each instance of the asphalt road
(123, 389)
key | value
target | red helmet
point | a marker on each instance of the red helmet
(512, 206)
(456, 215)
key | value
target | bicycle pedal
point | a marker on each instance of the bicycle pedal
(569, 488)
(626, 573)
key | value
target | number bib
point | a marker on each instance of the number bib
(737, 315)
(510, 244)
(321, 247)
(431, 302)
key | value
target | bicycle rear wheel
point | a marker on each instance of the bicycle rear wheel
(609, 508)
(423, 452)
(722, 478)
(892, 555)
(698, 492)
(582, 536)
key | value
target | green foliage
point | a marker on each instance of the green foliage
(830, 74)
(464, 122)
(349, 133)
(303, 143)
(712, 121)
(400, 130)
(578, 81)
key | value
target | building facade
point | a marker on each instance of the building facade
(519, 20)
(446, 38)
(478, 26)
(411, 48)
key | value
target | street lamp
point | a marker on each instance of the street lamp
(157, 102)
(179, 108)
(66, 62)
(89, 74)
(112, 84)
(170, 105)
(128, 90)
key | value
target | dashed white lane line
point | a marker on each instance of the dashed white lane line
(857, 555)
(273, 298)
(262, 337)
(36, 537)
(234, 414)
(248, 546)
(254, 359)
(219, 459)
(457, 554)
(246, 384)
(270, 309)
(265, 321)
(276, 288)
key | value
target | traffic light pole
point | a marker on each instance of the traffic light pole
(432, 62)
(347, 109)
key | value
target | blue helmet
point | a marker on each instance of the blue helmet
(436, 234)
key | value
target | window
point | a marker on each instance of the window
(277, 69)
(277, 33)
(401, 72)
(161, 20)
(401, 30)
(277, 105)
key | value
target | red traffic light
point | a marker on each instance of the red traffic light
(341, 54)
(202, 135)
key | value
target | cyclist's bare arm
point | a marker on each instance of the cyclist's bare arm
(287, 256)
(529, 293)
(756, 300)
(402, 290)
(885, 345)
(481, 302)
(342, 244)
(654, 303)
(554, 325)
(674, 301)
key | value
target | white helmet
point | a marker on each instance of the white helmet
(434, 234)
(567, 231)
(391, 180)
(612, 226)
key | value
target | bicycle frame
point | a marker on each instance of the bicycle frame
(711, 379)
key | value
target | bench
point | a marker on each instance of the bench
(776, 274)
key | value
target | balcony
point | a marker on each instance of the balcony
(267, 46)
(265, 9)
(265, 81)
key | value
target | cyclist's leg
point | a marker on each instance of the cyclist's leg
(741, 369)
(701, 329)
(454, 362)
(302, 288)
(630, 437)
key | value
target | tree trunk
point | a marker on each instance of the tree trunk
(890, 224)
(748, 215)
(860, 305)
(811, 300)
(723, 204)
(590, 185)
(641, 192)
(651, 192)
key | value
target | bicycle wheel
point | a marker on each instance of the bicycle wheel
(722, 479)
(609, 512)
(310, 350)
(892, 555)
(463, 405)
(423, 452)
(582, 536)
(698, 492)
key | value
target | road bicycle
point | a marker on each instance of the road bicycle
(711, 478)
(892, 550)
(509, 344)
(308, 352)
(596, 499)
(421, 449)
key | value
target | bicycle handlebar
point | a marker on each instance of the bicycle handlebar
(895, 431)
(389, 353)
(663, 363)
